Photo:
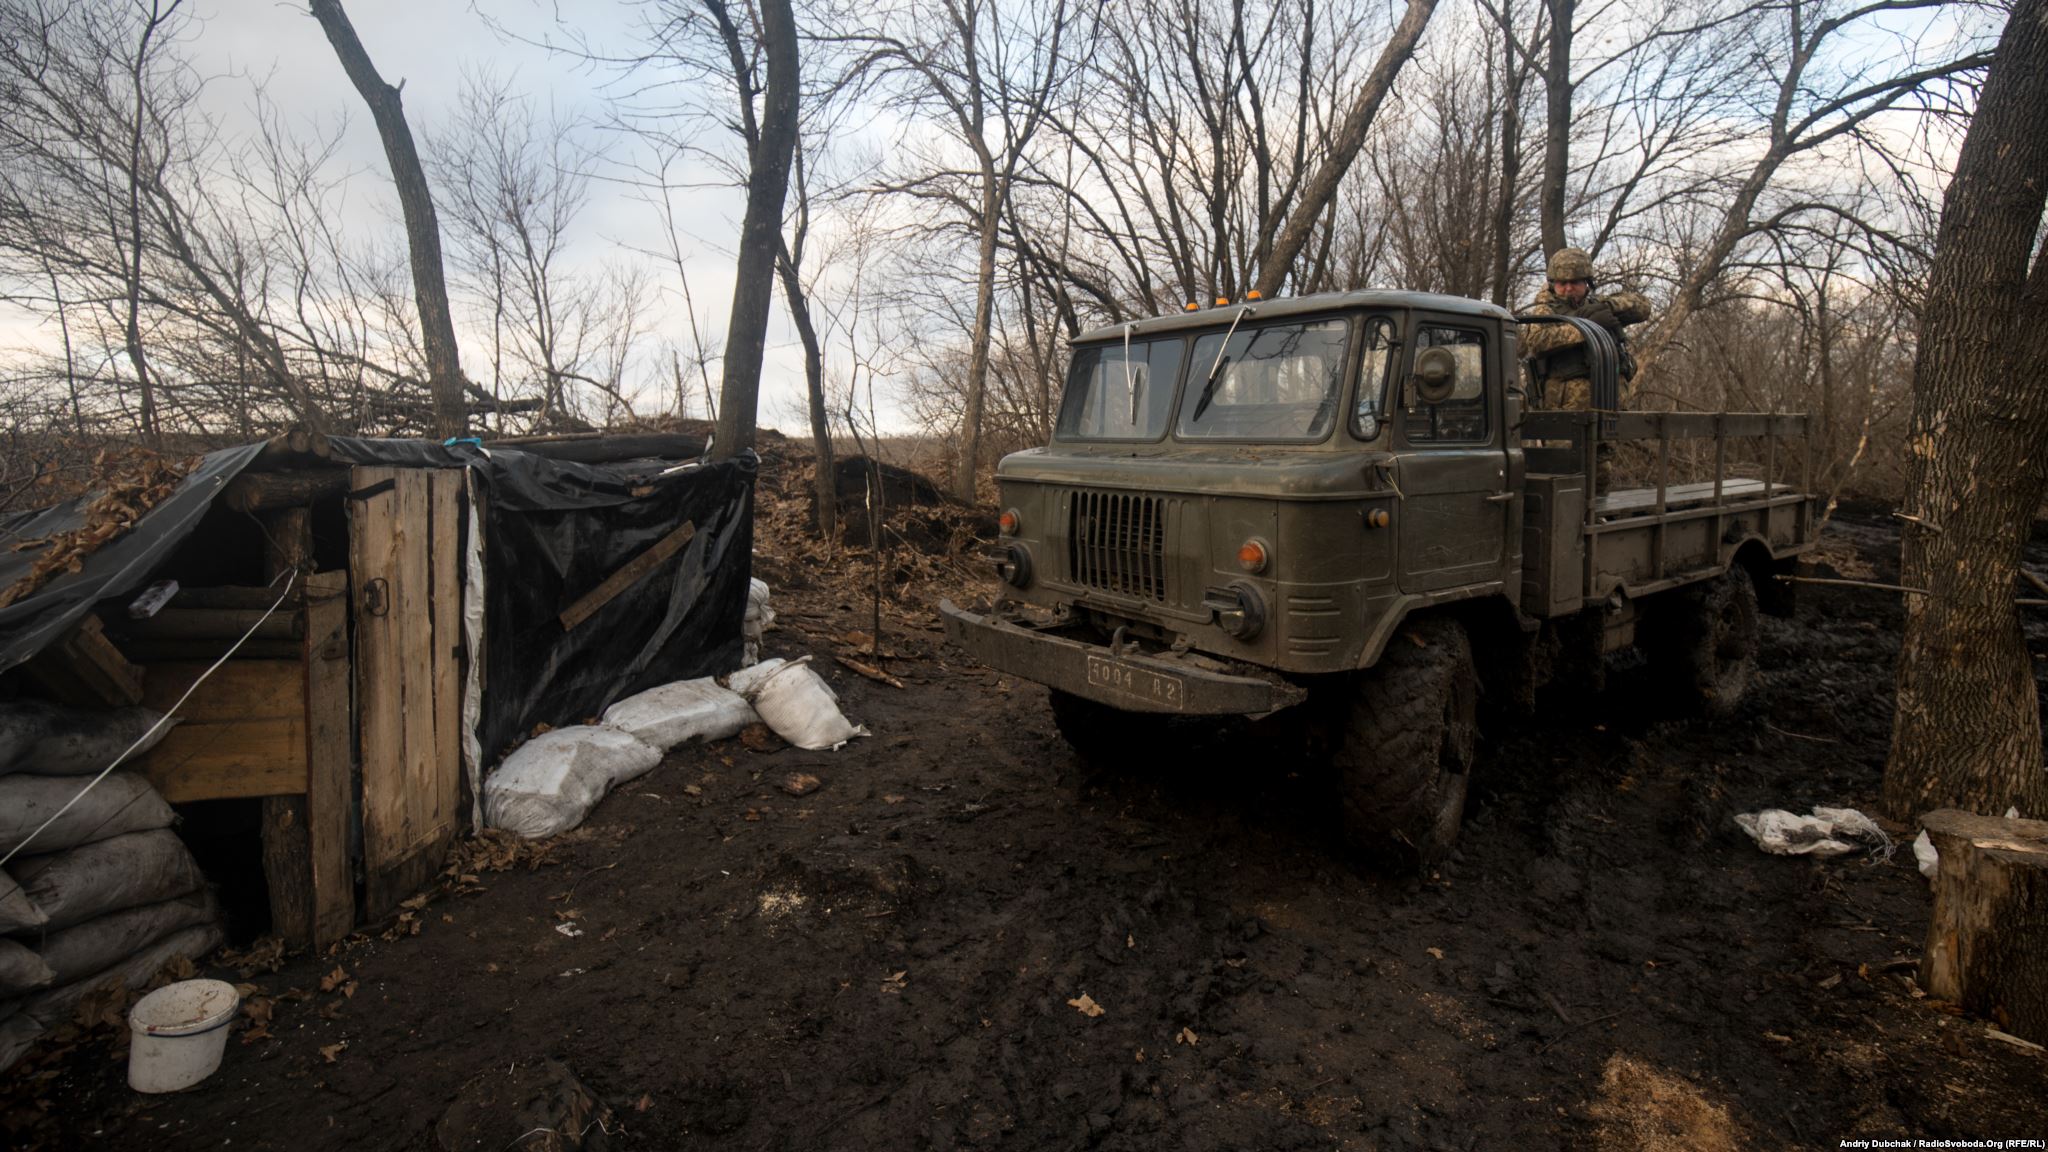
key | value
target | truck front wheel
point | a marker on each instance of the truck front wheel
(1406, 745)
(1106, 737)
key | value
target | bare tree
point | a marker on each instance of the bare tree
(1814, 100)
(416, 200)
(1321, 187)
(761, 231)
(990, 72)
(1967, 729)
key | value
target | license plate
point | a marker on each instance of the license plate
(1155, 688)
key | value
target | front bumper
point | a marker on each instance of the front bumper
(1162, 682)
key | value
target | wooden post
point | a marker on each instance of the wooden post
(330, 789)
(287, 841)
(1987, 947)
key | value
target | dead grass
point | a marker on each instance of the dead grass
(1642, 1108)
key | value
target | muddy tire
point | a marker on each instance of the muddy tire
(1405, 747)
(1106, 738)
(1705, 645)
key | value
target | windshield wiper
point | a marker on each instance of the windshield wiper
(1209, 388)
(1216, 365)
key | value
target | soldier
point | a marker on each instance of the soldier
(1556, 352)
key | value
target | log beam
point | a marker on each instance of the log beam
(269, 491)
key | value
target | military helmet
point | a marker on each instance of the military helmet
(1571, 264)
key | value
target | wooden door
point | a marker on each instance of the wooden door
(405, 557)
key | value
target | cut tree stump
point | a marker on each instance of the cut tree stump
(1987, 948)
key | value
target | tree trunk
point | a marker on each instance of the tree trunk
(760, 236)
(1321, 188)
(825, 492)
(422, 230)
(1510, 163)
(1557, 123)
(984, 321)
(1967, 730)
(1987, 941)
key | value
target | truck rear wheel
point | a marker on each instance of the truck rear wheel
(1103, 736)
(1706, 642)
(1406, 745)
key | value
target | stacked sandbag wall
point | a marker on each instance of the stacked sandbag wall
(107, 892)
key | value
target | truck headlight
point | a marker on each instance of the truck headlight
(1013, 564)
(1239, 610)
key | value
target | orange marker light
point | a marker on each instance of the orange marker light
(1251, 555)
(1222, 300)
(1192, 307)
(1253, 295)
(1009, 522)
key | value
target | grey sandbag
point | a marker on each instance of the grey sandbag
(101, 943)
(18, 1033)
(105, 876)
(52, 740)
(21, 970)
(54, 1007)
(123, 802)
(18, 913)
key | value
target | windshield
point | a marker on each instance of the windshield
(1114, 397)
(1278, 382)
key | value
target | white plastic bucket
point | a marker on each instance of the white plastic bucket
(178, 1034)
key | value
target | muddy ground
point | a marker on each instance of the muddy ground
(893, 960)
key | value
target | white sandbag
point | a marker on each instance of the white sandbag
(52, 740)
(21, 970)
(756, 621)
(92, 880)
(1828, 832)
(53, 1007)
(123, 802)
(18, 913)
(797, 703)
(79, 951)
(748, 680)
(669, 714)
(551, 782)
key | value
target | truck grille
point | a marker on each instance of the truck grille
(1116, 541)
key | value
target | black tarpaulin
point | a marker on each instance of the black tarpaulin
(553, 531)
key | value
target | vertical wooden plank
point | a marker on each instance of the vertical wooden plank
(329, 789)
(412, 604)
(287, 841)
(373, 547)
(447, 609)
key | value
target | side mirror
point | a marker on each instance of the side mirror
(1436, 375)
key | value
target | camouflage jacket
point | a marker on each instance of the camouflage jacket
(1542, 340)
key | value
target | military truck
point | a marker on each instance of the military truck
(1341, 509)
